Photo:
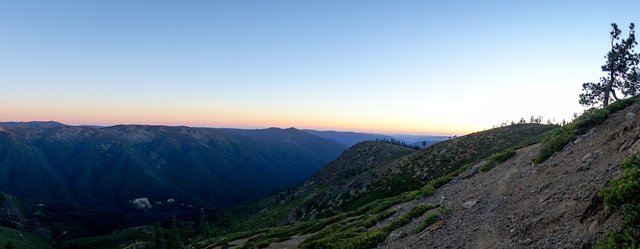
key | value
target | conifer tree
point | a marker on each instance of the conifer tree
(157, 236)
(174, 240)
(623, 75)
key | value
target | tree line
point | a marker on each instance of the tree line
(534, 120)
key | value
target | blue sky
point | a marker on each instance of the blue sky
(440, 67)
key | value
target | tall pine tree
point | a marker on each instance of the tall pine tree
(622, 71)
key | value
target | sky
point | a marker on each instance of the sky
(420, 67)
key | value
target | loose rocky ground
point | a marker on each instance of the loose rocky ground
(520, 205)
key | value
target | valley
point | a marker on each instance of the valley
(480, 190)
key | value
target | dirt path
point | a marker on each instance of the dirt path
(488, 190)
(490, 234)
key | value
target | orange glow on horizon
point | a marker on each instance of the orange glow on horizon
(244, 121)
(241, 117)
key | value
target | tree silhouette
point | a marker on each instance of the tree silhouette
(157, 236)
(174, 240)
(622, 71)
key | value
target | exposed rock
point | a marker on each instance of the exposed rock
(475, 169)
(630, 116)
(469, 204)
(526, 241)
(588, 158)
(142, 202)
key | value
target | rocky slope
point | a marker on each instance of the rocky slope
(516, 204)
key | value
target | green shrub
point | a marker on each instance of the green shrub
(630, 161)
(440, 181)
(497, 158)
(409, 196)
(372, 221)
(553, 145)
(619, 241)
(623, 195)
(503, 156)
(427, 190)
(407, 217)
(427, 222)
(320, 224)
(367, 240)
(460, 170)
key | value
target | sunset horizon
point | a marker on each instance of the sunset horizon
(327, 124)
(412, 67)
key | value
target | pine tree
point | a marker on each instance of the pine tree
(174, 240)
(202, 225)
(623, 75)
(157, 236)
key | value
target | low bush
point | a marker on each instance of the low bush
(615, 240)
(623, 195)
(440, 181)
(427, 190)
(373, 220)
(497, 158)
(407, 217)
(552, 145)
(427, 222)
(367, 240)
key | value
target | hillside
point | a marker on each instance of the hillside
(373, 175)
(554, 204)
(324, 192)
(481, 190)
(111, 171)
(499, 201)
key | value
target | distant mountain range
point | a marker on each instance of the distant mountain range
(91, 175)
(351, 138)
(111, 166)
(125, 164)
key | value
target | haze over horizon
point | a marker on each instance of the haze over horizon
(414, 67)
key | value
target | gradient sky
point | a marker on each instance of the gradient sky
(429, 67)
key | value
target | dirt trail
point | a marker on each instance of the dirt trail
(520, 205)
(489, 235)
